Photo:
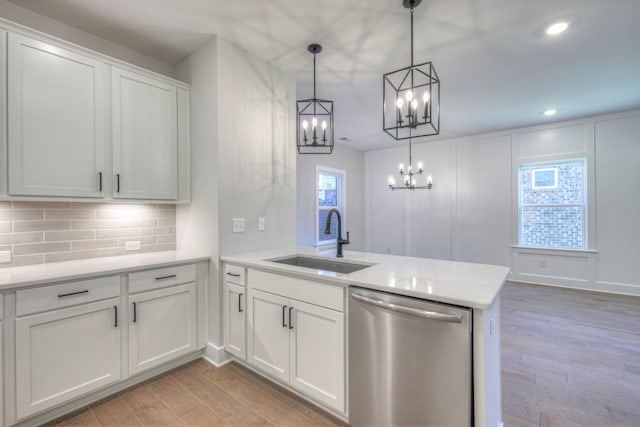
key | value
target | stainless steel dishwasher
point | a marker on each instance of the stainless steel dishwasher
(410, 362)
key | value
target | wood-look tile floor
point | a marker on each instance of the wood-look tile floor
(569, 358)
(199, 394)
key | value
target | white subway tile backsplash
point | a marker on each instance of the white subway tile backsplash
(38, 232)
(11, 238)
(39, 248)
(69, 214)
(19, 225)
(57, 236)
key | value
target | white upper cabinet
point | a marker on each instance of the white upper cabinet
(145, 137)
(56, 122)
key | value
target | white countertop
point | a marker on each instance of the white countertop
(29, 275)
(460, 283)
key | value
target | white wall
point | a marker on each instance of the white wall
(22, 16)
(197, 223)
(243, 162)
(465, 216)
(257, 151)
(344, 158)
(471, 212)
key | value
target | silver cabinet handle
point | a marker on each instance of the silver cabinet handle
(233, 274)
(240, 310)
(135, 312)
(99, 181)
(433, 315)
(171, 276)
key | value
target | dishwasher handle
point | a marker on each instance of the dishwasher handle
(432, 315)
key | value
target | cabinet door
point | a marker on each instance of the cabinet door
(317, 353)
(234, 306)
(65, 353)
(268, 333)
(55, 120)
(145, 137)
(163, 326)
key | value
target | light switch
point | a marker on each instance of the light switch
(262, 223)
(238, 225)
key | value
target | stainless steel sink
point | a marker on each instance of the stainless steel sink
(321, 264)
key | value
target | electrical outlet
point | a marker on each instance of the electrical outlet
(262, 224)
(5, 256)
(132, 246)
(238, 225)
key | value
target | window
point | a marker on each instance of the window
(552, 200)
(330, 194)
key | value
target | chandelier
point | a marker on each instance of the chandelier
(407, 176)
(314, 119)
(411, 97)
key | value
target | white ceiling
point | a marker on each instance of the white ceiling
(498, 69)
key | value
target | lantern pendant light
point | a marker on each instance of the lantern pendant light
(411, 97)
(314, 119)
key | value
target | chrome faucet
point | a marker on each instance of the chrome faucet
(327, 230)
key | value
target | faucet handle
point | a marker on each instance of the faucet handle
(346, 242)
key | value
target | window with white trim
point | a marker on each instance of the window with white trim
(330, 194)
(552, 204)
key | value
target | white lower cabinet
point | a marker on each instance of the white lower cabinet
(163, 326)
(235, 315)
(269, 333)
(64, 353)
(299, 343)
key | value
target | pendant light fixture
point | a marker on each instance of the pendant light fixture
(411, 97)
(314, 119)
(407, 176)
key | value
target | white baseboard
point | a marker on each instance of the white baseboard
(216, 355)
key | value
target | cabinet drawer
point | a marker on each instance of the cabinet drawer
(235, 274)
(66, 294)
(322, 294)
(161, 277)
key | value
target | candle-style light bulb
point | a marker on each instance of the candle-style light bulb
(324, 131)
(391, 181)
(314, 125)
(409, 96)
(414, 109)
(401, 168)
(407, 180)
(410, 169)
(420, 167)
(304, 128)
(399, 104)
(425, 98)
(429, 181)
(413, 184)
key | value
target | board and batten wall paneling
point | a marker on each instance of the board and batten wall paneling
(384, 212)
(618, 202)
(484, 202)
(344, 158)
(428, 213)
(482, 223)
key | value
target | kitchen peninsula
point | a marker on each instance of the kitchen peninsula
(306, 304)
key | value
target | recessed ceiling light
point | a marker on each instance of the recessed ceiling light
(550, 112)
(557, 28)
